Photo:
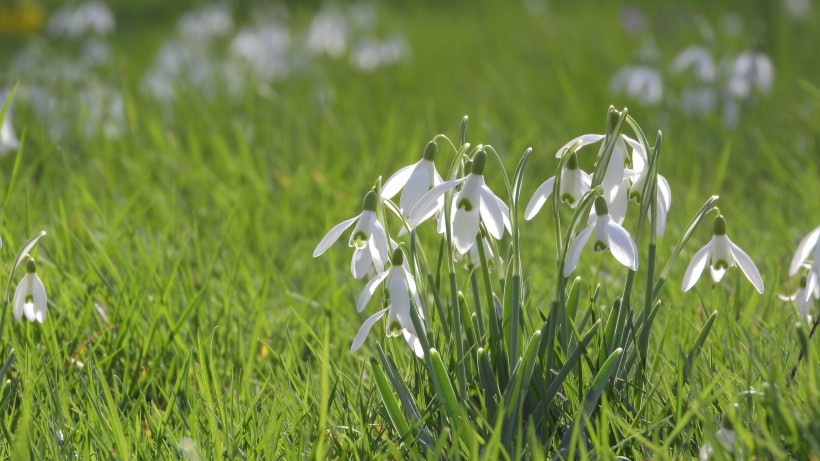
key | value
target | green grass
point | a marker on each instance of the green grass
(193, 234)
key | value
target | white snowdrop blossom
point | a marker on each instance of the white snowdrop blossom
(609, 236)
(699, 59)
(414, 181)
(809, 245)
(803, 297)
(638, 175)
(750, 69)
(402, 293)
(641, 82)
(328, 34)
(473, 204)
(90, 17)
(368, 237)
(574, 184)
(8, 138)
(30, 296)
(721, 254)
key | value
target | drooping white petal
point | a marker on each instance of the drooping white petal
(465, 228)
(619, 202)
(539, 198)
(378, 240)
(745, 263)
(364, 228)
(431, 202)
(396, 182)
(583, 140)
(414, 292)
(803, 250)
(695, 268)
(717, 274)
(333, 235)
(369, 289)
(360, 263)
(574, 252)
(413, 342)
(492, 213)
(664, 193)
(614, 174)
(399, 294)
(621, 245)
(418, 184)
(364, 330)
(19, 298)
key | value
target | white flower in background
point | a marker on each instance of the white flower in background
(609, 236)
(721, 254)
(699, 59)
(30, 296)
(368, 55)
(402, 292)
(414, 181)
(726, 437)
(264, 49)
(640, 82)
(574, 184)
(798, 9)
(473, 257)
(328, 33)
(368, 237)
(8, 138)
(90, 17)
(473, 204)
(206, 23)
(802, 299)
(748, 70)
(808, 246)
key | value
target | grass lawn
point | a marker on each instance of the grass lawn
(187, 318)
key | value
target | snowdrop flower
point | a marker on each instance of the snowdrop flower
(752, 68)
(474, 203)
(638, 175)
(368, 237)
(93, 16)
(30, 296)
(414, 181)
(721, 253)
(401, 289)
(640, 82)
(574, 184)
(699, 59)
(328, 33)
(8, 138)
(802, 299)
(809, 245)
(609, 236)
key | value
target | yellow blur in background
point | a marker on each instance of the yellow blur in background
(23, 18)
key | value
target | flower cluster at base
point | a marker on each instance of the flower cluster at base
(30, 296)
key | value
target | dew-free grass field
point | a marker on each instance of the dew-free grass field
(187, 317)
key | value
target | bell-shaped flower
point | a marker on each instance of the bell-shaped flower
(30, 296)
(638, 175)
(609, 236)
(721, 254)
(809, 245)
(473, 204)
(803, 299)
(750, 69)
(641, 82)
(414, 181)
(699, 59)
(8, 138)
(473, 257)
(574, 184)
(403, 294)
(369, 239)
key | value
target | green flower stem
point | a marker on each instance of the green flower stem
(495, 338)
(477, 301)
(459, 338)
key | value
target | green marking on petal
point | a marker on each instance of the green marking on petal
(359, 239)
(29, 299)
(599, 246)
(568, 199)
(636, 196)
(721, 264)
(465, 203)
(394, 329)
